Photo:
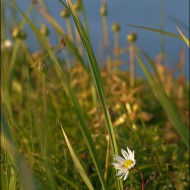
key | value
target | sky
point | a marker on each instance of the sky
(136, 12)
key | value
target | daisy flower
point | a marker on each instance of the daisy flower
(123, 165)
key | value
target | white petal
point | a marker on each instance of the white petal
(118, 165)
(130, 152)
(122, 175)
(125, 154)
(126, 175)
(133, 156)
(119, 159)
(123, 169)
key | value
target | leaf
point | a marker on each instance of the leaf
(98, 83)
(77, 162)
(157, 30)
(186, 40)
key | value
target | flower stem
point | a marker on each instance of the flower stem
(142, 179)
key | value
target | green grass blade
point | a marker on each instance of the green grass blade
(167, 104)
(25, 176)
(186, 40)
(157, 30)
(152, 64)
(96, 76)
(4, 180)
(77, 162)
(80, 115)
(69, 181)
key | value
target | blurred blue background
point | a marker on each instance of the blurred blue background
(145, 13)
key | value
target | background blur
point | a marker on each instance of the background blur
(150, 13)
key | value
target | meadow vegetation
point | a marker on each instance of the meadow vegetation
(63, 118)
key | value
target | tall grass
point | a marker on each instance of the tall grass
(100, 111)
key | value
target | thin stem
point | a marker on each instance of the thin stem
(142, 179)
(116, 44)
(30, 113)
(181, 62)
(107, 157)
(105, 31)
(106, 41)
(116, 49)
(132, 65)
(68, 25)
(162, 42)
(42, 129)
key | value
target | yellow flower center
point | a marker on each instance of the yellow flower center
(128, 163)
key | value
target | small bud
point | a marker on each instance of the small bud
(77, 5)
(103, 9)
(44, 30)
(22, 35)
(65, 13)
(115, 27)
(15, 33)
(132, 37)
(18, 33)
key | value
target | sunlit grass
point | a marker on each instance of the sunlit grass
(100, 111)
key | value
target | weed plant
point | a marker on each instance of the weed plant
(64, 119)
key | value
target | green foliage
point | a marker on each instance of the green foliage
(98, 109)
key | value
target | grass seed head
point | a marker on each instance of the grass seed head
(115, 27)
(132, 37)
(18, 33)
(44, 30)
(103, 9)
(77, 5)
(65, 13)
